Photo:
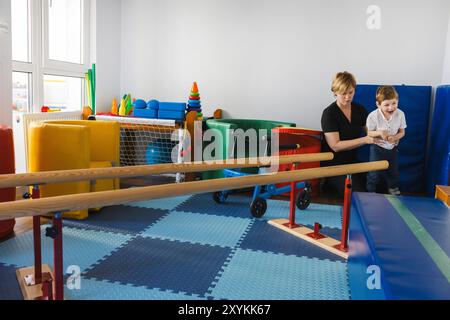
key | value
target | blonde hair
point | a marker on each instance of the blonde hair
(342, 82)
(386, 93)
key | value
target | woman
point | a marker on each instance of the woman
(344, 127)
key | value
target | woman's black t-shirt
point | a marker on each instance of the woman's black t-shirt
(334, 120)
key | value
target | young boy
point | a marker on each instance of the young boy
(388, 123)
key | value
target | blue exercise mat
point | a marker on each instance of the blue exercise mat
(439, 152)
(415, 102)
(407, 239)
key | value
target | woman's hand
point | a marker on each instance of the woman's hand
(372, 140)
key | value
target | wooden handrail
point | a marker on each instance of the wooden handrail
(35, 207)
(47, 177)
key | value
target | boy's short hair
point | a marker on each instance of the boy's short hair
(386, 93)
(342, 82)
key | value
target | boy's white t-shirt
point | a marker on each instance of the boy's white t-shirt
(377, 121)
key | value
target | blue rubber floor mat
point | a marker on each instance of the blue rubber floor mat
(199, 228)
(266, 238)
(167, 265)
(120, 219)
(192, 248)
(252, 274)
(9, 287)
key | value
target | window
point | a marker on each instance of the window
(50, 53)
(21, 91)
(65, 34)
(63, 93)
(20, 25)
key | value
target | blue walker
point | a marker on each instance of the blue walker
(258, 206)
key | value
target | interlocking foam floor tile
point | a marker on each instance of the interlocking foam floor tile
(81, 248)
(238, 205)
(262, 276)
(104, 290)
(163, 204)
(208, 251)
(9, 286)
(264, 237)
(235, 206)
(119, 219)
(199, 228)
(168, 265)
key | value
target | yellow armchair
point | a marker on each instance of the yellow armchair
(67, 145)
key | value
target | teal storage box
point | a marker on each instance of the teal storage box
(222, 125)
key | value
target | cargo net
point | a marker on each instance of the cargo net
(148, 142)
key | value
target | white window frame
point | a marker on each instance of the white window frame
(40, 64)
(70, 69)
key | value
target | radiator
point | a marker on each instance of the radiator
(21, 123)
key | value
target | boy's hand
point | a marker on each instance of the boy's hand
(384, 135)
(392, 140)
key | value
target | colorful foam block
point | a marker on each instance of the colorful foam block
(172, 106)
(146, 113)
(171, 115)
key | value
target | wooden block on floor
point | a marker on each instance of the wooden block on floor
(302, 232)
(443, 194)
(31, 292)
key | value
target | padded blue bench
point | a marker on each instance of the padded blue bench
(408, 238)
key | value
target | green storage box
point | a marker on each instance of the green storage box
(224, 125)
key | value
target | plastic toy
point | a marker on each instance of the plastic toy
(194, 103)
(153, 104)
(114, 107)
(140, 104)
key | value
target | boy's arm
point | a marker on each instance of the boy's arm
(395, 139)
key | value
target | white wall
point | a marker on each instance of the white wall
(5, 63)
(446, 70)
(275, 59)
(106, 44)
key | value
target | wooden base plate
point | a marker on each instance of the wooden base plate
(302, 232)
(31, 292)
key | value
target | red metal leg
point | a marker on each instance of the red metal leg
(58, 257)
(346, 213)
(47, 287)
(292, 202)
(37, 241)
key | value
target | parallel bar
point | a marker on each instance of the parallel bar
(9, 210)
(29, 179)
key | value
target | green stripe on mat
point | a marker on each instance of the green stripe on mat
(436, 253)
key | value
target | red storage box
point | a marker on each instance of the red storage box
(6, 167)
(309, 141)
